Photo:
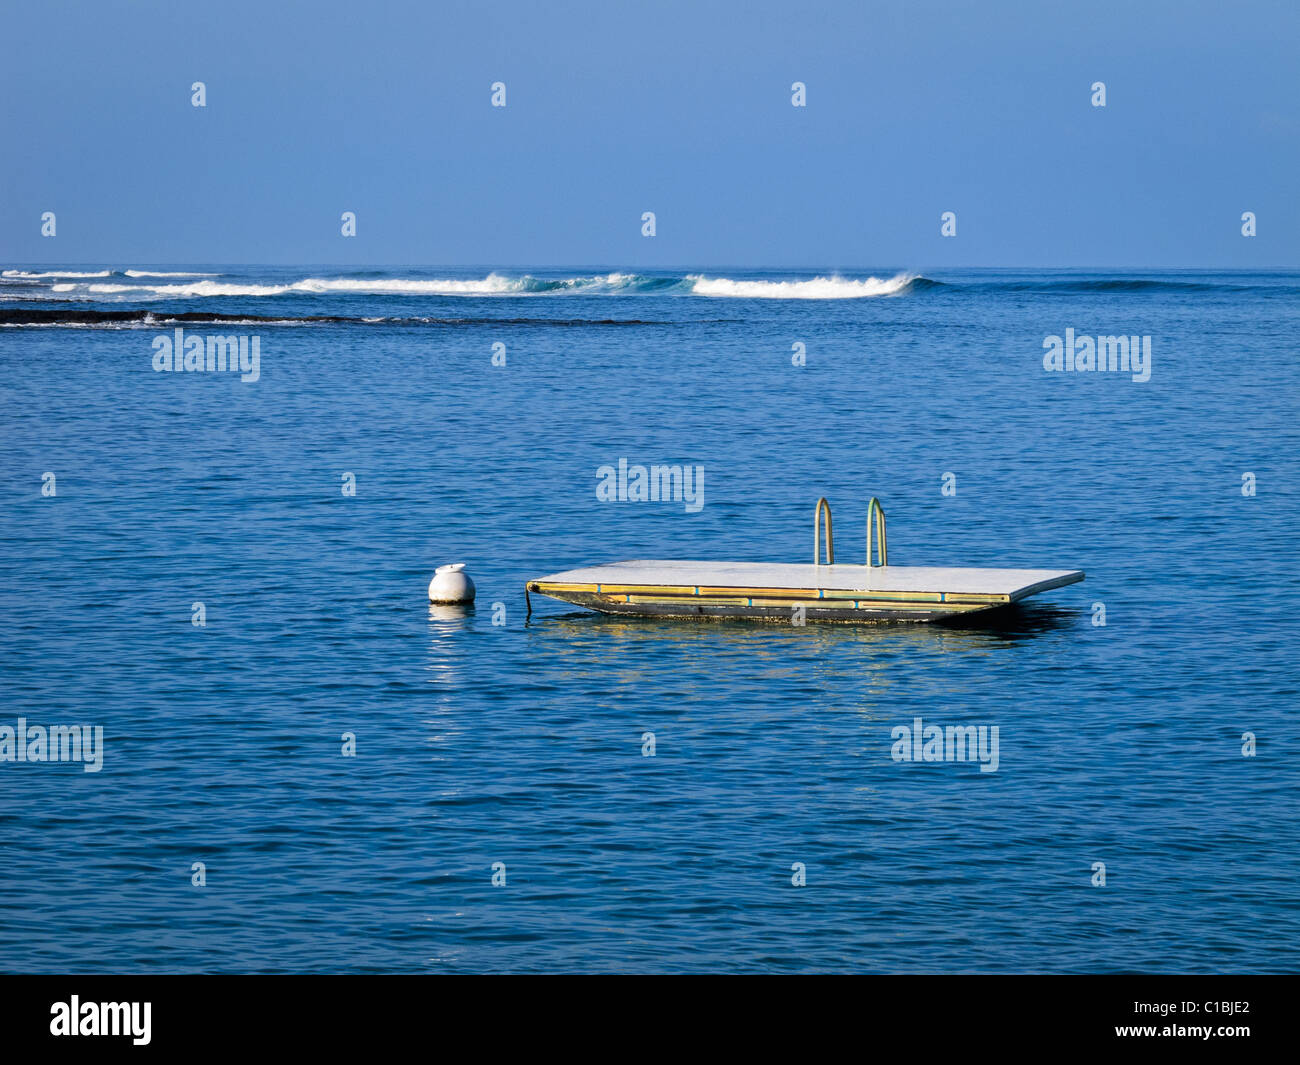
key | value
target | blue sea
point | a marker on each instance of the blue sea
(229, 577)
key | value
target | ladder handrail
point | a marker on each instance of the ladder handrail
(876, 511)
(817, 534)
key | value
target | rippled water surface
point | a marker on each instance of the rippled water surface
(522, 743)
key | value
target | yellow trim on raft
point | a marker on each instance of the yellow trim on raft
(846, 605)
(911, 597)
(771, 596)
(546, 587)
(747, 591)
(714, 600)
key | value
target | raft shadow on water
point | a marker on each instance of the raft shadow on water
(1013, 623)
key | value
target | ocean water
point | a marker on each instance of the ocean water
(482, 737)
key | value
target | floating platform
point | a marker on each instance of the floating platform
(798, 592)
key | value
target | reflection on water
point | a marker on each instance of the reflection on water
(588, 654)
(1018, 621)
(446, 620)
(1009, 624)
(449, 612)
(594, 653)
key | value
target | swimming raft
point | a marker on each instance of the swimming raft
(767, 591)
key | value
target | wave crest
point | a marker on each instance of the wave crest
(818, 288)
(54, 273)
(141, 285)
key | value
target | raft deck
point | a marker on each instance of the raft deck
(774, 591)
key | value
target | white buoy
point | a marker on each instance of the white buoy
(451, 584)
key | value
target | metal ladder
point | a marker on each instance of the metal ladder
(875, 534)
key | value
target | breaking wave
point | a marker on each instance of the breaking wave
(164, 273)
(134, 285)
(819, 288)
(41, 275)
(73, 286)
(36, 274)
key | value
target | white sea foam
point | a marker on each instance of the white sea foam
(198, 288)
(819, 288)
(54, 273)
(493, 284)
(158, 273)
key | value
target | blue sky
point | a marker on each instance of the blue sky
(681, 108)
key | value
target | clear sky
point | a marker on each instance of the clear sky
(682, 108)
